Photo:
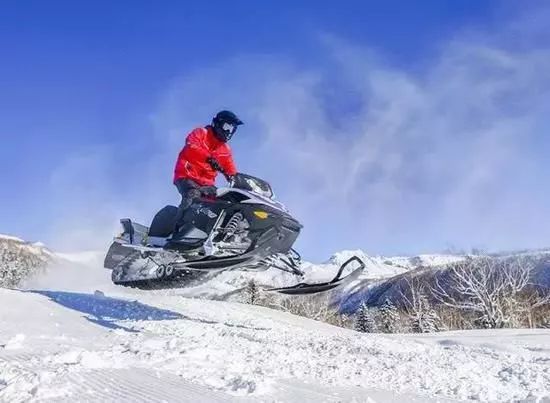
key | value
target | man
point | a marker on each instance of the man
(206, 153)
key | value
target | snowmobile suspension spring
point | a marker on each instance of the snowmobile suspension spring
(233, 224)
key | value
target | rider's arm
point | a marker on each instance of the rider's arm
(196, 143)
(225, 159)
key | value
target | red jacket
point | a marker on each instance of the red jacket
(201, 143)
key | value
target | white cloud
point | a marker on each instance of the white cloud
(82, 200)
(383, 158)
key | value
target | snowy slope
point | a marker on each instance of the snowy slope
(384, 266)
(35, 248)
(61, 341)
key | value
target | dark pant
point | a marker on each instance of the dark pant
(189, 191)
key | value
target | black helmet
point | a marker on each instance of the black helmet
(225, 124)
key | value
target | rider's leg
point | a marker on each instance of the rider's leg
(189, 191)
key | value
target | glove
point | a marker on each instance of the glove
(214, 164)
(209, 191)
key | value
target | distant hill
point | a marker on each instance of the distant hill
(374, 291)
(389, 266)
(20, 259)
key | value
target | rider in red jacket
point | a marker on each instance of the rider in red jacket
(194, 159)
(206, 153)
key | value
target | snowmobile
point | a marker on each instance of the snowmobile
(242, 228)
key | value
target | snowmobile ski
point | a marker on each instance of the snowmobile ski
(314, 288)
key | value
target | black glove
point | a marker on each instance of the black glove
(214, 164)
(208, 191)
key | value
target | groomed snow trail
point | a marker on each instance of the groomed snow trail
(74, 344)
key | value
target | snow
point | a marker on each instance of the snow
(85, 339)
(388, 266)
(10, 238)
(90, 258)
(36, 248)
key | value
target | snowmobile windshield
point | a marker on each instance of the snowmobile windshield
(253, 184)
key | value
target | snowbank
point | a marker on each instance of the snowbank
(233, 350)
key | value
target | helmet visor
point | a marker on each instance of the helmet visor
(229, 128)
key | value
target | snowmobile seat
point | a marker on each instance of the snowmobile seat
(163, 222)
(134, 233)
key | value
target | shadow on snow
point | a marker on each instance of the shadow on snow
(107, 311)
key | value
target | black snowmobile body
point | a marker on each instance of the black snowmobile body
(243, 228)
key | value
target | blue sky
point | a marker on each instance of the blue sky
(425, 122)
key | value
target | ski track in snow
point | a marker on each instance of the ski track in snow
(124, 345)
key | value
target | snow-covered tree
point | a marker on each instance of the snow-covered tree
(486, 287)
(414, 298)
(533, 306)
(252, 292)
(425, 319)
(365, 319)
(315, 306)
(388, 317)
(19, 260)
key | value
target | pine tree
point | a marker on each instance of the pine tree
(364, 319)
(252, 292)
(431, 321)
(425, 318)
(389, 317)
